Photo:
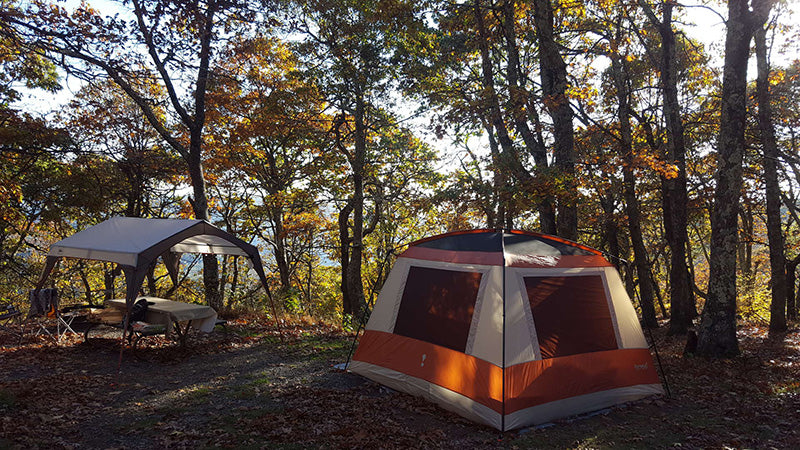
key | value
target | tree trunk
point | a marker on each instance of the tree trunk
(496, 212)
(717, 331)
(109, 278)
(518, 102)
(279, 238)
(791, 278)
(508, 159)
(234, 283)
(631, 201)
(674, 195)
(554, 88)
(611, 231)
(199, 202)
(355, 286)
(777, 258)
(792, 311)
(151, 281)
(196, 123)
(344, 255)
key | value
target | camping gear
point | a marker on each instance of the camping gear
(170, 313)
(10, 318)
(135, 244)
(44, 310)
(507, 328)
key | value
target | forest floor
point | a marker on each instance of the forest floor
(247, 388)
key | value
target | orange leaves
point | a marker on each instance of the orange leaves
(662, 168)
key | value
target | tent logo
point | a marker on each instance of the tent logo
(640, 366)
(422, 364)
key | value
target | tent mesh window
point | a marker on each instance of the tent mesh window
(570, 314)
(437, 306)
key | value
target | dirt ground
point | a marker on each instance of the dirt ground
(247, 388)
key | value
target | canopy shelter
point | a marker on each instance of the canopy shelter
(136, 244)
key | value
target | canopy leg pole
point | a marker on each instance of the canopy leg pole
(125, 323)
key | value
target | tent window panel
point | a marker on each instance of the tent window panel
(570, 314)
(437, 306)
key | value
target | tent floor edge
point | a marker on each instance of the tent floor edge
(573, 406)
(443, 397)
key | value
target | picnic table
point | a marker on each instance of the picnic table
(169, 313)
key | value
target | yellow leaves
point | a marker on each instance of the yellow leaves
(777, 77)
(584, 92)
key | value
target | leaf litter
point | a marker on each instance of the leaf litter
(250, 387)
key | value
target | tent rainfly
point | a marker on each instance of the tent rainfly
(507, 328)
(135, 244)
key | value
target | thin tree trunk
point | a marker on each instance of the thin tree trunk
(280, 251)
(745, 257)
(631, 201)
(608, 204)
(554, 88)
(791, 279)
(674, 195)
(519, 101)
(109, 277)
(496, 212)
(506, 160)
(234, 284)
(355, 286)
(196, 124)
(777, 258)
(344, 255)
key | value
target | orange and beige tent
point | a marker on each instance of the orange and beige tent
(507, 328)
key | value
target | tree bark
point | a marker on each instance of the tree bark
(507, 158)
(674, 195)
(496, 212)
(717, 330)
(554, 89)
(631, 200)
(355, 286)
(344, 255)
(519, 99)
(791, 278)
(611, 231)
(281, 261)
(777, 258)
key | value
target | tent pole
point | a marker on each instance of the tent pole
(653, 344)
(355, 337)
(503, 372)
(259, 268)
(658, 360)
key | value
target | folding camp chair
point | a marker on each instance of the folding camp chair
(44, 310)
(10, 317)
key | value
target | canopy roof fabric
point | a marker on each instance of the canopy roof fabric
(132, 241)
(136, 243)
